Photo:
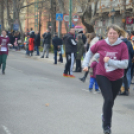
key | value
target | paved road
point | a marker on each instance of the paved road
(36, 99)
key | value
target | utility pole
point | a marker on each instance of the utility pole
(36, 14)
(70, 14)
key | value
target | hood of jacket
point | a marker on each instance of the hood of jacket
(118, 41)
(4, 37)
(125, 40)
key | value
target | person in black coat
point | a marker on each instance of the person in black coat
(11, 38)
(127, 72)
(46, 43)
(57, 42)
(37, 42)
(71, 49)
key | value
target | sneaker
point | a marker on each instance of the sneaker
(126, 93)
(97, 92)
(82, 79)
(42, 57)
(90, 89)
(65, 75)
(107, 130)
(71, 76)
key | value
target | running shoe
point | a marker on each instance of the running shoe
(71, 76)
(65, 75)
(107, 130)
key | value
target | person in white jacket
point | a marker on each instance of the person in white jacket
(91, 39)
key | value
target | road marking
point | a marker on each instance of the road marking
(6, 130)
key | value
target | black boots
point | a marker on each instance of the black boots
(84, 78)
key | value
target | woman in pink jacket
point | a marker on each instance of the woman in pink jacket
(110, 69)
(4, 42)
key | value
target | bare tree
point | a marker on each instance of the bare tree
(123, 14)
(91, 16)
(53, 16)
(2, 13)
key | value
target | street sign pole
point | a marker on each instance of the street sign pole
(70, 14)
(36, 15)
(59, 28)
(59, 18)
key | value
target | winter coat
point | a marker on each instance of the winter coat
(80, 49)
(130, 50)
(37, 39)
(92, 42)
(69, 46)
(47, 38)
(31, 44)
(56, 41)
(11, 38)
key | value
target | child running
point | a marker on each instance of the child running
(92, 72)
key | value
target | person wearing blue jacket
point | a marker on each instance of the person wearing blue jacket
(127, 73)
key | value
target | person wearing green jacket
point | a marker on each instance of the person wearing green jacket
(79, 54)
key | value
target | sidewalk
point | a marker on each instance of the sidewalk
(50, 59)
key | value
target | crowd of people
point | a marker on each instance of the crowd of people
(108, 61)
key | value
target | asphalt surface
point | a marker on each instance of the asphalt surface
(36, 99)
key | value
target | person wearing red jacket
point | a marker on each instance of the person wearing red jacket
(31, 45)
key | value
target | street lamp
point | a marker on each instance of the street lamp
(111, 14)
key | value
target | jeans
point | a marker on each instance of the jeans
(60, 58)
(55, 56)
(27, 51)
(129, 77)
(125, 81)
(37, 49)
(91, 83)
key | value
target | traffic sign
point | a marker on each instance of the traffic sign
(59, 16)
(16, 27)
(75, 17)
(66, 17)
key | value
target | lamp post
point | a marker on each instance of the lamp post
(70, 14)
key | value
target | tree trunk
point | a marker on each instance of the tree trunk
(2, 14)
(40, 14)
(9, 19)
(123, 14)
(53, 16)
(62, 10)
(89, 27)
(15, 10)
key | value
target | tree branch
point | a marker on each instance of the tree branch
(32, 4)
